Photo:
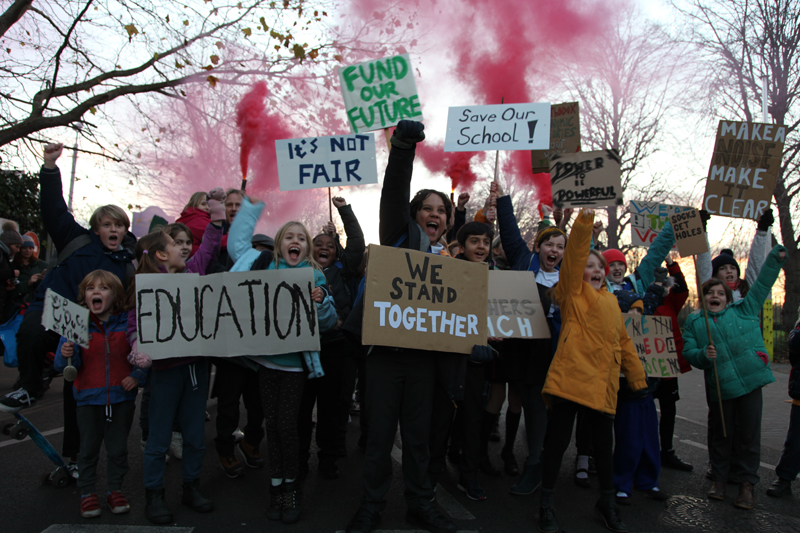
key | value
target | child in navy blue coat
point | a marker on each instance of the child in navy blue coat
(105, 390)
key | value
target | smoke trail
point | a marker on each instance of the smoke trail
(455, 165)
(250, 115)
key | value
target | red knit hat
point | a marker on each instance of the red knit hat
(615, 255)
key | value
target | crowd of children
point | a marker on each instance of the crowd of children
(587, 371)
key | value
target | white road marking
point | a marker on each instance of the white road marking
(446, 501)
(105, 528)
(26, 439)
(704, 447)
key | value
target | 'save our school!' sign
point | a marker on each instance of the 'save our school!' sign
(498, 127)
(424, 301)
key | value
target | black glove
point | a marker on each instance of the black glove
(407, 134)
(482, 354)
(705, 216)
(766, 220)
(660, 274)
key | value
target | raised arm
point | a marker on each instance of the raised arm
(759, 247)
(659, 248)
(754, 301)
(576, 254)
(57, 219)
(353, 253)
(515, 247)
(396, 192)
(208, 252)
(244, 225)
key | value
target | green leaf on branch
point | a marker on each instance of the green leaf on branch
(299, 52)
(131, 29)
(247, 32)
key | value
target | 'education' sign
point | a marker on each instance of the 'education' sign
(263, 312)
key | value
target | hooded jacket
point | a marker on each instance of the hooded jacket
(196, 220)
(103, 365)
(65, 277)
(742, 361)
(594, 344)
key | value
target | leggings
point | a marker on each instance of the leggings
(559, 435)
(281, 394)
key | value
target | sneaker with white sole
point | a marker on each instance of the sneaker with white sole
(90, 506)
(118, 503)
(14, 401)
(72, 468)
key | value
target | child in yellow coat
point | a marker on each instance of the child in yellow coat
(584, 375)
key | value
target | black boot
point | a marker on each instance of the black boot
(487, 424)
(547, 520)
(608, 509)
(512, 425)
(193, 498)
(156, 509)
(291, 502)
(275, 503)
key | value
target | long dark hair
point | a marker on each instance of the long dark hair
(146, 262)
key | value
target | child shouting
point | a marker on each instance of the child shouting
(105, 390)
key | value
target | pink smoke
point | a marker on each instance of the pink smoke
(250, 116)
(454, 165)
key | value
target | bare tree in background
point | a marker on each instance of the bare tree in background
(743, 41)
(628, 84)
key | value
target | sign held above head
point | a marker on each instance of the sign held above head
(744, 169)
(586, 179)
(565, 135)
(498, 127)
(380, 93)
(319, 162)
(689, 233)
(648, 219)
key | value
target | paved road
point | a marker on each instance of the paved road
(26, 506)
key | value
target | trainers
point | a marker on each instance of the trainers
(231, 465)
(90, 506)
(670, 460)
(252, 455)
(176, 446)
(14, 401)
(118, 503)
(292, 499)
(72, 468)
(428, 517)
(364, 521)
(656, 494)
(780, 487)
(471, 488)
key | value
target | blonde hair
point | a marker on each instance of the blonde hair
(279, 238)
(196, 198)
(114, 212)
(106, 278)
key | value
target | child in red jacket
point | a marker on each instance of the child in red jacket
(105, 390)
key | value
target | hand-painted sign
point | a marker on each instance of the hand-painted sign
(318, 162)
(263, 312)
(689, 233)
(380, 93)
(515, 310)
(655, 344)
(648, 219)
(425, 301)
(565, 135)
(66, 318)
(586, 179)
(498, 127)
(744, 169)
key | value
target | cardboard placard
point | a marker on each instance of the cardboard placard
(66, 318)
(689, 234)
(515, 310)
(655, 344)
(648, 219)
(320, 162)
(480, 128)
(744, 169)
(263, 312)
(424, 301)
(586, 179)
(565, 135)
(380, 93)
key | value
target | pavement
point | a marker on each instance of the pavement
(28, 506)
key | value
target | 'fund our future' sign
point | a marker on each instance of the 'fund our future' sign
(744, 169)
(264, 312)
(318, 162)
(424, 301)
(498, 127)
(379, 94)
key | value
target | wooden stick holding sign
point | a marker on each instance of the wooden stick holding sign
(710, 343)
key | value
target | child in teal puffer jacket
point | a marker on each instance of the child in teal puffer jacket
(742, 365)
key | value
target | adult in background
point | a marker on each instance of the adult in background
(10, 242)
(31, 271)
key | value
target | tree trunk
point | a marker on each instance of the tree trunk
(791, 268)
(613, 228)
(13, 14)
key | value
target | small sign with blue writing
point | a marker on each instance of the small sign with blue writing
(320, 162)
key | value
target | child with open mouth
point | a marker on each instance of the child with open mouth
(731, 337)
